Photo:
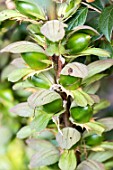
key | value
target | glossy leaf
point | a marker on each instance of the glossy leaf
(22, 109)
(106, 21)
(68, 160)
(68, 138)
(78, 19)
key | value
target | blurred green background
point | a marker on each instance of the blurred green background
(14, 154)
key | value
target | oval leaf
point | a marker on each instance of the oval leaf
(68, 160)
(42, 97)
(53, 30)
(90, 165)
(107, 122)
(75, 69)
(7, 14)
(68, 138)
(24, 132)
(22, 109)
(22, 47)
(106, 21)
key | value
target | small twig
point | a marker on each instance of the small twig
(89, 6)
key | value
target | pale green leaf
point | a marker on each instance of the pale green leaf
(75, 69)
(40, 122)
(100, 156)
(96, 127)
(68, 138)
(17, 74)
(7, 14)
(42, 97)
(68, 160)
(22, 109)
(22, 47)
(107, 122)
(24, 132)
(99, 66)
(53, 30)
(90, 165)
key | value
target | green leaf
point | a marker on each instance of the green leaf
(68, 138)
(46, 154)
(96, 127)
(18, 74)
(90, 165)
(53, 30)
(41, 120)
(22, 47)
(95, 51)
(93, 79)
(107, 145)
(101, 105)
(75, 69)
(78, 19)
(24, 132)
(42, 97)
(81, 98)
(107, 122)
(92, 88)
(99, 66)
(106, 21)
(7, 14)
(68, 160)
(100, 156)
(22, 109)
(108, 47)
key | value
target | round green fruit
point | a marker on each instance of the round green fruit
(78, 42)
(29, 9)
(54, 106)
(39, 82)
(70, 82)
(35, 60)
(94, 140)
(81, 114)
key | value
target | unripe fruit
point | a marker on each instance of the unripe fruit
(35, 60)
(94, 140)
(78, 42)
(70, 82)
(53, 107)
(81, 114)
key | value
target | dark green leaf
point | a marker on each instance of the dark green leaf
(78, 19)
(106, 21)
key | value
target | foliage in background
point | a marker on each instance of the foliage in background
(57, 77)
